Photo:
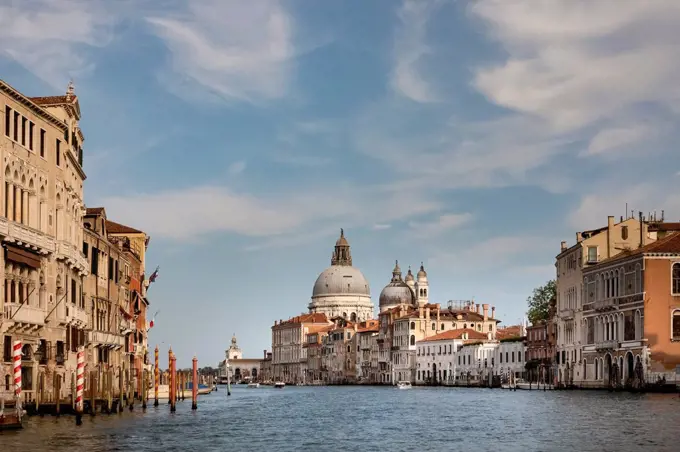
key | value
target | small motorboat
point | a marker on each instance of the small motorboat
(404, 385)
(279, 385)
(253, 385)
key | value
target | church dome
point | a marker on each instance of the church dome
(341, 280)
(396, 292)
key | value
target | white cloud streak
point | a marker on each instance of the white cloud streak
(237, 50)
(51, 38)
(410, 48)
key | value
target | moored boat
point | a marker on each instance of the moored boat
(253, 385)
(404, 385)
(279, 385)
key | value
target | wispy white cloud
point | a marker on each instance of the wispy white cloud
(647, 197)
(237, 167)
(578, 62)
(441, 224)
(195, 212)
(381, 227)
(614, 139)
(237, 50)
(51, 38)
(410, 48)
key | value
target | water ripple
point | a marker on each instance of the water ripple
(372, 419)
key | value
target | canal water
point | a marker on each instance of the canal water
(350, 418)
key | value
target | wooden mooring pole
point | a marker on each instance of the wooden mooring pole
(194, 383)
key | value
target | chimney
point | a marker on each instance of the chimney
(563, 245)
(479, 309)
(438, 313)
(493, 312)
(579, 237)
(275, 323)
(420, 312)
(642, 230)
(265, 354)
(486, 310)
(427, 313)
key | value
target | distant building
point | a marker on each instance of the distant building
(239, 369)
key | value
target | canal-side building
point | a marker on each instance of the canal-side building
(315, 344)
(590, 248)
(288, 338)
(42, 266)
(436, 356)
(367, 352)
(631, 316)
(540, 348)
(240, 368)
(106, 295)
(134, 244)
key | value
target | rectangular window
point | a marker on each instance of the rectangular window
(58, 152)
(85, 249)
(73, 291)
(676, 279)
(42, 143)
(7, 355)
(8, 121)
(16, 126)
(110, 268)
(592, 254)
(31, 129)
(23, 131)
(94, 269)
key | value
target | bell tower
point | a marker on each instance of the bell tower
(342, 255)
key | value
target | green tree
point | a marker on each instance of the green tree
(539, 301)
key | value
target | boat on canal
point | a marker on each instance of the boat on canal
(253, 385)
(404, 385)
(11, 419)
(279, 385)
(164, 391)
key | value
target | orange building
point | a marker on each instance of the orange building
(134, 243)
(632, 316)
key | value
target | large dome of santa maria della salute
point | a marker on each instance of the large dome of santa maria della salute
(341, 289)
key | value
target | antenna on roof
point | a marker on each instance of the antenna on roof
(625, 212)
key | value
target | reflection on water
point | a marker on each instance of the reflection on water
(373, 418)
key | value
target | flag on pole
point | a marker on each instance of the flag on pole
(154, 275)
(151, 323)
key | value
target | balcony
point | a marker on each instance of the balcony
(25, 235)
(138, 350)
(105, 339)
(71, 254)
(23, 318)
(73, 315)
(567, 314)
(606, 345)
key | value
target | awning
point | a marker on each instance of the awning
(21, 256)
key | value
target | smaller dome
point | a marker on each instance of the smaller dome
(422, 273)
(409, 275)
(396, 293)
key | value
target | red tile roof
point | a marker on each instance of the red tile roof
(117, 228)
(94, 210)
(456, 334)
(509, 331)
(369, 326)
(306, 318)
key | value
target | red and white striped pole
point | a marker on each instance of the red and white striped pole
(80, 379)
(16, 358)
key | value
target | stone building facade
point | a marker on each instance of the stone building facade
(631, 316)
(42, 268)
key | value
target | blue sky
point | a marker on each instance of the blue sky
(471, 135)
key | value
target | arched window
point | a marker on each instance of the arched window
(434, 326)
(442, 328)
(353, 317)
(425, 292)
(676, 324)
(413, 340)
(675, 287)
(413, 325)
(490, 328)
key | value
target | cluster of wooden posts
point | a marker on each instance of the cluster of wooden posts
(104, 390)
